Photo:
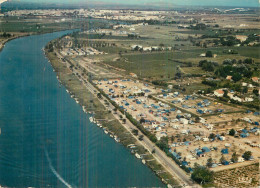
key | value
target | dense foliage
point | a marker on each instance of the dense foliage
(202, 175)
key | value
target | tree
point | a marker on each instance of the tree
(124, 121)
(209, 162)
(197, 119)
(141, 137)
(115, 110)
(209, 54)
(245, 90)
(212, 135)
(99, 95)
(232, 132)
(247, 155)
(234, 157)
(255, 91)
(163, 143)
(236, 77)
(202, 175)
(222, 159)
(135, 132)
(142, 120)
(172, 138)
(248, 61)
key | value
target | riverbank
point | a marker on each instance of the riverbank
(2, 43)
(105, 117)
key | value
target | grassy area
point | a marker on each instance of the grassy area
(150, 65)
(44, 25)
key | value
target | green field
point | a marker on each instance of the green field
(151, 65)
(45, 25)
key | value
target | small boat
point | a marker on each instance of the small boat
(117, 139)
(143, 161)
(137, 156)
(91, 119)
(105, 132)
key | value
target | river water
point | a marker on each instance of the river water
(46, 139)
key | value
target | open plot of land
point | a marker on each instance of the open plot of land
(157, 65)
(246, 176)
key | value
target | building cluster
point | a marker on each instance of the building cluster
(150, 48)
(189, 138)
(94, 13)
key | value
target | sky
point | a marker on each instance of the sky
(249, 3)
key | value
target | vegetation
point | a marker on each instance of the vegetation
(163, 144)
(234, 158)
(247, 155)
(202, 175)
(5, 35)
(208, 65)
(209, 162)
(209, 54)
(232, 132)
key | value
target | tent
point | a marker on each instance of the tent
(184, 163)
(205, 149)
(224, 151)
(243, 135)
(225, 163)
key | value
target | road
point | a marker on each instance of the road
(159, 155)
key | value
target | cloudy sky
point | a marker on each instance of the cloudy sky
(254, 3)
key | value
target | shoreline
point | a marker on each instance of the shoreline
(30, 34)
(10, 39)
(151, 162)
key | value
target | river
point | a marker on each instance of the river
(46, 139)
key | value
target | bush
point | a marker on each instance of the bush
(209, 54)
(247, 155)
(202, 175)
(232, 132)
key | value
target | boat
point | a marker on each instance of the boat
(143, 161)
(137, 156)
(105, 132)
(91, 119)
(117, 139)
